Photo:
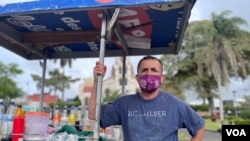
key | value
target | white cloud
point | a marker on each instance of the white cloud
(203, 9)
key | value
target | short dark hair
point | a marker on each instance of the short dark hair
(147, 58)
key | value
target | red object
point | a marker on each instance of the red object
(18, 128)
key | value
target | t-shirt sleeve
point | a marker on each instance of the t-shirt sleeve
(192, 121)
(109, 115)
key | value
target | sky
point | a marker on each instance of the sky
(82, 68)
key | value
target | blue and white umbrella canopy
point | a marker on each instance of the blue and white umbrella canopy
(72, 28)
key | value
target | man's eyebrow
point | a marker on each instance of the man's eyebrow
(144, 69)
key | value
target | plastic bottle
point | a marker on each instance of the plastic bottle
(64, 118)
(18, 124)
(10, 114)
(79, 120)
(51, 112)
(56, 117)
(72, 116)
(2, 112)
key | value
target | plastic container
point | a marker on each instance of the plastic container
(72, 116)
(36, 125)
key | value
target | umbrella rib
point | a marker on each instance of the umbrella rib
(14, 38)
(117, 30)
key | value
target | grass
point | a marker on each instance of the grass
(213, 126)
(181, 136)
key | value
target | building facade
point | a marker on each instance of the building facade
(113, 83)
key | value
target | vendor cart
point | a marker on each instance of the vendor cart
(54, 29)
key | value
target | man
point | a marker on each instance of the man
(150, 115)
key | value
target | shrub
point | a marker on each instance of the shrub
(200, 107)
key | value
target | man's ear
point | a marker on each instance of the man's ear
(162, 78)
(137, 77)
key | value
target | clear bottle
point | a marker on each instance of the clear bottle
(72, 116)
(18, 124)
(56, 117)
(64, 118)
(79, 119)
(10, 115)
(2, 112)
(51, 112)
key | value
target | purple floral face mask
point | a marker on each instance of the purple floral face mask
(149, 83)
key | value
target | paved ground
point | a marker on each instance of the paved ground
(208, 135)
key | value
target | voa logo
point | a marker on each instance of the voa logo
(236, 132)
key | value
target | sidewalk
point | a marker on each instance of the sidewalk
(208, 135)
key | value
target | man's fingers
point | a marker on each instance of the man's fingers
(100, 69)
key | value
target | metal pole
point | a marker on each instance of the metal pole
(44, 63)
(100, 78)
(123, 74)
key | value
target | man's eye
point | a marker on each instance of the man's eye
(154, 69)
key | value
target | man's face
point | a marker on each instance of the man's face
(150, 66)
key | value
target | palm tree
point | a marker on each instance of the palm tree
(58, 81)
(63, 63)
(219, 54)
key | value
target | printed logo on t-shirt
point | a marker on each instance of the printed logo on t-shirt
(133, 113)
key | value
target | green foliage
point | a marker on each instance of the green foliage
(8, 87)
(76, 102)
(203, 107)
(245, 114)
(57, 81)
(241, 121)
(212, 126)
(212, 52)
(246, 104)
(110, 96)
(230, 118)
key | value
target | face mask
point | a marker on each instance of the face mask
(149, 83)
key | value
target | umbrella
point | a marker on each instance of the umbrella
(42, 29)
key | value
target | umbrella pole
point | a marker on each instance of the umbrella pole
(44, 63)
(124, 81)
(100, 78)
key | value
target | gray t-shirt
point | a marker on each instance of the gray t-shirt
(151, 120)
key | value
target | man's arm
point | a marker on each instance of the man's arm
(92, 102)
(199, 135)
(99, 69)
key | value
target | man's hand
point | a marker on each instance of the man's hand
(99, 69)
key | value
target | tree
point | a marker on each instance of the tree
(110, 96)
(56, 82)
(8, 87)
(63, 63)
(172, 83)
(38, 79)
(194, 45)
(220, 57)
(181, 75)
(208, 47)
